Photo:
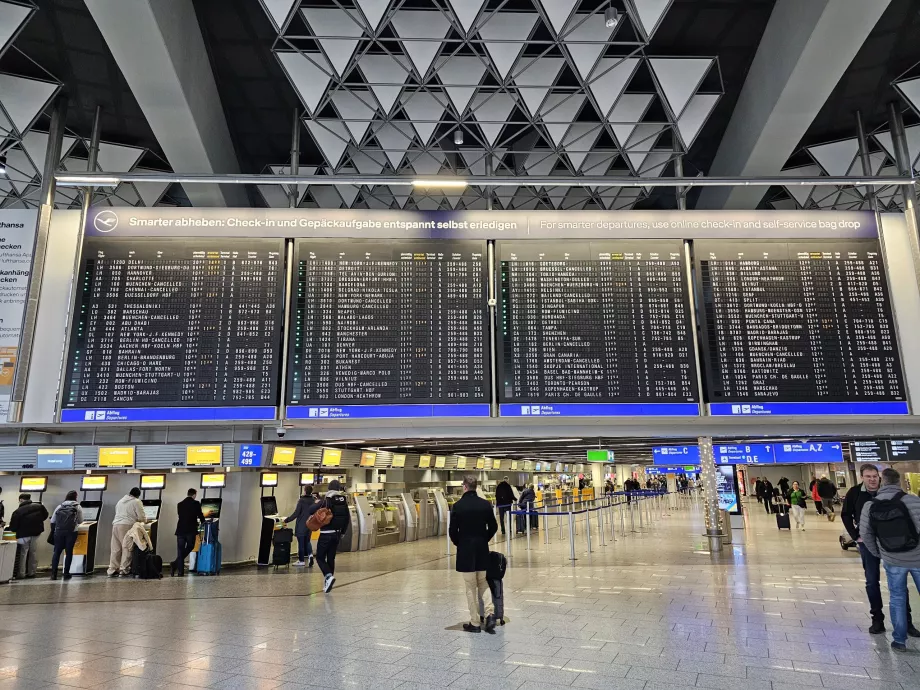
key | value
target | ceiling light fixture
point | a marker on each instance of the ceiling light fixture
(2, 164)
(440, 184)
(611, 17)
(458, 137)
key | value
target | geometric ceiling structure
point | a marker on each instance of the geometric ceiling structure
(533, 87)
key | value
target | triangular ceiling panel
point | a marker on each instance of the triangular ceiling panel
(413, 25)
(628, 111)
(278, 11)
(466, 11)
(368, 161)
(641, 141)
(504, 35)
(679, 78)
(310, 75)
(118, 159)
(492, 111)
(580, 140)
(395, 138)
(344, 27)
(150, 193)
(913, 142)
(373, 10)
(425, 111)
(534, 79)
(354, 111)
(837, 157)
(558, 112)
(695, 115)
(460, 76)
(540, 163)
(910, 89)
(21, 101)
(587, 41)
(36, 144)
(610, 79)
(650, 13)
(12, 17)
(382, 73)
(331, 136)
(558, 12)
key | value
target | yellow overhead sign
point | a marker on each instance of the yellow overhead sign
(440, 461)
(496, 464)
(424, 461)
(332, 457)
(461, 462)
(368, 458)
(116, 457)
(283, 456)
(399, 460)
(198, 456)
(480, 463)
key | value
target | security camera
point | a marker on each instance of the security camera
(281, 431)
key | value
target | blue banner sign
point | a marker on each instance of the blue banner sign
(813, 451)
(747, 454)
(689, 469)
(386, 411)
(250, 455)
(676, 455)
(600, 410)
(807, 409)
(170, 414)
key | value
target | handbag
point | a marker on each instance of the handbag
(51, 536)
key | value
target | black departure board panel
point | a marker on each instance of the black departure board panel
(389, 323)
(797, 322)
(176, 323)
(594, 322)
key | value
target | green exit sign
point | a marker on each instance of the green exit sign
(600, 456)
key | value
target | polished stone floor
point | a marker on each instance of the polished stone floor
(651, 610)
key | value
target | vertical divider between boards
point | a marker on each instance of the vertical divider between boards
(286, 331)
(697, 322)
(493, 329)
(75, 287)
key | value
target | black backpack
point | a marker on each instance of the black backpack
(497, 565)
(65, 521)
(893, 525)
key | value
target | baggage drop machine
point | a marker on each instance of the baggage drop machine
(272, 520)
(411, 515)
(367, 524)
(153, 483)
(84, 550)
(443, 510)
(210, 509)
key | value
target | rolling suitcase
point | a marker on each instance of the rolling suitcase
(782, 520)
(208, 562)
(520, 523)
(498, 564)
(7, 560)
(281, 547)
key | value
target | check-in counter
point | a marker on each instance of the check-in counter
(390, 523)
(443, 510)
(410, 515)
(367, 524)
(349, 540)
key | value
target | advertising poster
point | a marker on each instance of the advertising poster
(727, 486)
(17, 235)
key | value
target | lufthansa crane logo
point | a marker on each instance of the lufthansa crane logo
(105, 221)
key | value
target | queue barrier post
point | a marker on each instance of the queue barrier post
(572, 537)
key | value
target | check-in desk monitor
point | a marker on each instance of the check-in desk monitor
(152, 513)
(271, 521)
(210, 508)
(84, 550)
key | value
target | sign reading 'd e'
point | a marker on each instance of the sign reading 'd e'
(116, 457)
(283, 456)
(55, 459)
(203, 456)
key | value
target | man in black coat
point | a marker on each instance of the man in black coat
(190, 516)
(472, 526)
(504, 499)
(28, 522)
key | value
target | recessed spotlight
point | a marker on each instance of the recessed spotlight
(611, 17)
(458, 137)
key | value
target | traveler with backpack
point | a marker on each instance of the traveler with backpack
(64, 522)
(190, 519)
(853, 504)
(299, 517)
(828, 492)
(331, 517)
(890, 529)
(797, 505)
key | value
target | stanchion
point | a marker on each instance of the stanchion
(600, 525)
(448, 534)
(588, 530)
(632, 515)
(508, 533)
(545, 528)
(640, 508)
(571, 538)
(527, 527)
(613, 523)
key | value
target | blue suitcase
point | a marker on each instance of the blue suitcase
(208, 562)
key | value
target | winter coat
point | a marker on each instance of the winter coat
(190, 515)
(28, 520)
(826, 489)
(299, 516)
(137, 536)
(528, 496)
(504, 494)
(129, 510)
(338, 504)
(472, 526)
(853, 504)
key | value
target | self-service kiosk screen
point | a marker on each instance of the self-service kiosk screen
(91, 514)
(152, 512)
(210, 509)
(269, 505)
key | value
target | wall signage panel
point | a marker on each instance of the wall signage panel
(332, 457)
(389, 329)
(175, 330)
(283, 456)
(250, 455)
(813, 451)
(399, 460)
(55, 459)
(729, 491)
(744, 454)
(368, 458)
(869, 451)
(904, 449)
(599, 328)
(116, 457)
(203, 456)
(17, 236)
(674, 455)
(798, 328)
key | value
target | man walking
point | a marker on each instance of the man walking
(472, 526)
(330, 534)
(890, 528)
(828, 492)
(128, 510)
(28, 522)
(504, 498)
(190, 518)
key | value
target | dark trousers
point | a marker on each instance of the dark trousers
(304, 547)
(326, 546)
(185, 543)
(819, 507)
(63, 541)
(766, 504)
(502, 516)
(872, 567)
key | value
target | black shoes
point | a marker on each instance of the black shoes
(912, 631)
(877, 628)
(490, 624)
(470, 628)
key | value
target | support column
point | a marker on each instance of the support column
(711, 494)
(294, 192)
(908, 192)
(804, 52)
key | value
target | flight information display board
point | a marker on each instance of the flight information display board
(595, 328)
(176, 330)
(389, 329)
(800, 327)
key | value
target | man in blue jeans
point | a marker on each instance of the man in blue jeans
(890, 529)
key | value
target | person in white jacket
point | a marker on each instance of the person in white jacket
(128, 511)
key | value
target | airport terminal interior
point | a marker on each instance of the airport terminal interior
(517, 344)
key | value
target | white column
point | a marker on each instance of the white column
(711, 494)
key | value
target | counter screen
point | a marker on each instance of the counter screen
(91, 514)
(151, 512)
(210, 509)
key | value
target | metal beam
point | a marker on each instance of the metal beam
(159, 48)
(804, 51)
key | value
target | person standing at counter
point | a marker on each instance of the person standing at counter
(299, 517)
(64, 522)
(128, 510)
(504, 499)
(472, 526)
(331, 532)
(190, 519)
(28, 522)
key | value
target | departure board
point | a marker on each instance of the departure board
(176, 323)
(389, 328)
(798, 327)
(595, 328)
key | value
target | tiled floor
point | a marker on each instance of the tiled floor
(650, 611)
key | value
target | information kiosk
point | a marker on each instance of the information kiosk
(210, 509)
(153, 483)
(84, 551)
(271, 518)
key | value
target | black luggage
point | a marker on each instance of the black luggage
(782, 521)
(520, 523)
(146, 565)
(498, 564)
(281, 547)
